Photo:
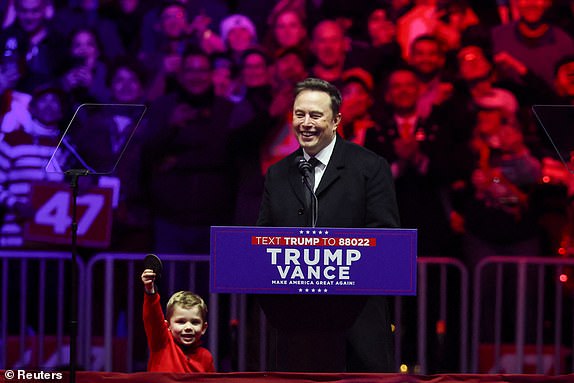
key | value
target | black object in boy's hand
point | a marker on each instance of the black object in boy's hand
(152, 262)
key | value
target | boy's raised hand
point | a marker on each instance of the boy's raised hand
(148, 279)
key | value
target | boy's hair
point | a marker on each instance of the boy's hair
(187, 300)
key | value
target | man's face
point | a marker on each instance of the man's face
(329, 44)
(255, 71)
(173, 22)
(404, 90)
(313, 121)
(472, 64)
(186, 325)
(564, 81)
(47, 109)
(426, 57)
(195, 75)
(239, 39)
(356, 101)
(126, 86)
(84, 45)
(31, 14)
(532, 11)
(289, 31)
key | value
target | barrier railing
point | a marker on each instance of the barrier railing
(33, 304)
(523, 312)
(36, 279)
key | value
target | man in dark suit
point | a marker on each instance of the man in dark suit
(354, 188)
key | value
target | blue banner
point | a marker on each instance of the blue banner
(336, 261)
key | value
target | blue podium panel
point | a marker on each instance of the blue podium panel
(335, 261)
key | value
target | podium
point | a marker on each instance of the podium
(315, 285)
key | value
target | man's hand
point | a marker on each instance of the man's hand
(148, 279)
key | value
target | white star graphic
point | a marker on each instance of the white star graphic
(300, 290)
(326, 232)
(314, 231)
(325, 290)
(306, 290)
(312, 290)
(320, 232)
(308, 231)
(300, 231)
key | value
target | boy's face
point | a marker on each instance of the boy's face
(187, 325)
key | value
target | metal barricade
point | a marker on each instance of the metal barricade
(36, 279)
(119, 276)
(441, 280)
(523, 310)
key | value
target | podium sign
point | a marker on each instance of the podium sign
(52, 221)
(333, 261)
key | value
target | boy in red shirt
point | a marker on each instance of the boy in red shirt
(175, 342)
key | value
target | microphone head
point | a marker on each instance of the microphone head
(152, 262)
(303, 165)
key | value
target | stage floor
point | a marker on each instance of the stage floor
(278, 377)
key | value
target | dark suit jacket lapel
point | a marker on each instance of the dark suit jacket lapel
(335, 166)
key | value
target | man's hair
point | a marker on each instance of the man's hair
(187, 300)
(321, 86)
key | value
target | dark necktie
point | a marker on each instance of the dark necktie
(314, 162)
(311, 201)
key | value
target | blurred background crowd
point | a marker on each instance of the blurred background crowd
(443, 89)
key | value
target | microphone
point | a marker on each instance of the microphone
(303, 165)
(306, 169)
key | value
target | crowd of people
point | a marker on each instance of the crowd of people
(442, 89)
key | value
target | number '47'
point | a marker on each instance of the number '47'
(55, 212)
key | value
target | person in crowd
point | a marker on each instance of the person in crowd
(175, 342)
(127, 16)
(354, 188)
(358, 99)
(164, 61)
(131, 230)
(25, 148)
(419, 151)
(286, 30)
(287, 71)
(32, 46)
(238, 34)
(247, 141)
(85, 79)
(88, 14)
(382, 52)
(329, 46)
(427, 57)
(532, 37)
(446, 20)
(496, 206)
(415, 147)
(186, 159)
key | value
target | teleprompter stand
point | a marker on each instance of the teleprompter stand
(93, 144)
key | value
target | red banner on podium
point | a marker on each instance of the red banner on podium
(53, 218)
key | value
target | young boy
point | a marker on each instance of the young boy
(175, 342)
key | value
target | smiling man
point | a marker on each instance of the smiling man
(354, 189)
